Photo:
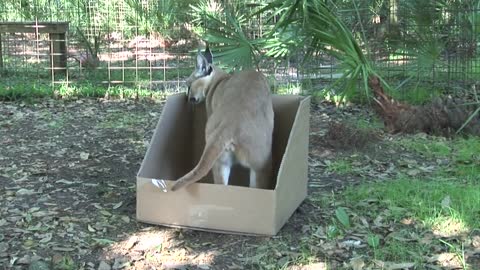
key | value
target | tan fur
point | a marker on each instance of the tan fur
(239, 126)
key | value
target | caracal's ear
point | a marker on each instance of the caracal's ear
(202, 62)
(204, 67)
(208, 55)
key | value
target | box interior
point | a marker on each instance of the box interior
(175, 151)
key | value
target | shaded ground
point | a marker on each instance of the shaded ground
(67, 193)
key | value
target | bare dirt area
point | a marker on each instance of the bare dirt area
(67, 193)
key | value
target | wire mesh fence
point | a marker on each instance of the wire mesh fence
(149, 44)
(107, 42)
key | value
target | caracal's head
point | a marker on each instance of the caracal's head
(201, 77)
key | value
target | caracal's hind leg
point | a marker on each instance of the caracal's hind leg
(222, 168)
(262, 178)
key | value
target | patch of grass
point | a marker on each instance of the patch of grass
(442, 205)
(467, 149)
(429, 147)
(341, 166)
(65, 263)
(86, 90)
(411, 93)
(402, 251)
(21, 89)
(414, 209)
(279, 253)
(89, 90)
(364, 124)
(463, 153)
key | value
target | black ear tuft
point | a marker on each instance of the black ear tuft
(208, 55)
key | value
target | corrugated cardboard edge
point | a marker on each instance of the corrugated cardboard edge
(292, 181)
(145, 186)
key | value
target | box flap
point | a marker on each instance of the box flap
(292, 179)
(165, 157)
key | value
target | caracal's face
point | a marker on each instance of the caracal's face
(197, 87)
(199, 80)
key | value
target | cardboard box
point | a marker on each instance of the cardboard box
(175, 148)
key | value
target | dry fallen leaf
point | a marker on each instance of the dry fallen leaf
(131, 242)
(413, 172)
(90, 228)
(66, 182)
(120, 263)
(396, 266)
(117, 205)
(84, 156)
(104, 266)
(24, 191)
(235, 266)
(125, 219)
(105, 213)
(476, 241)
(38, 265)
(63, 249)
(47, 237)
(357, 263)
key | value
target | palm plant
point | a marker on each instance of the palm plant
(300, 25)
(323, 31)
(226, 27)
(314, 26)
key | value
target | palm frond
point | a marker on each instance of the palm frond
(232, 46)
(329, 34)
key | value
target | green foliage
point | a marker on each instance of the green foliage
(319, 21)
(373, 241)
(325, 27)
(103, 241)
(463, 153)
(340, 166)
(423, 199)
(96, 18)
(367, 125)
(289, 89)
(65, 263)
(416, 95)
(333, 231)
(342, 216)
(161, 16)
(312, 21)
(225, 26)
(401, 251)
(18, 89)
(245, 35)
